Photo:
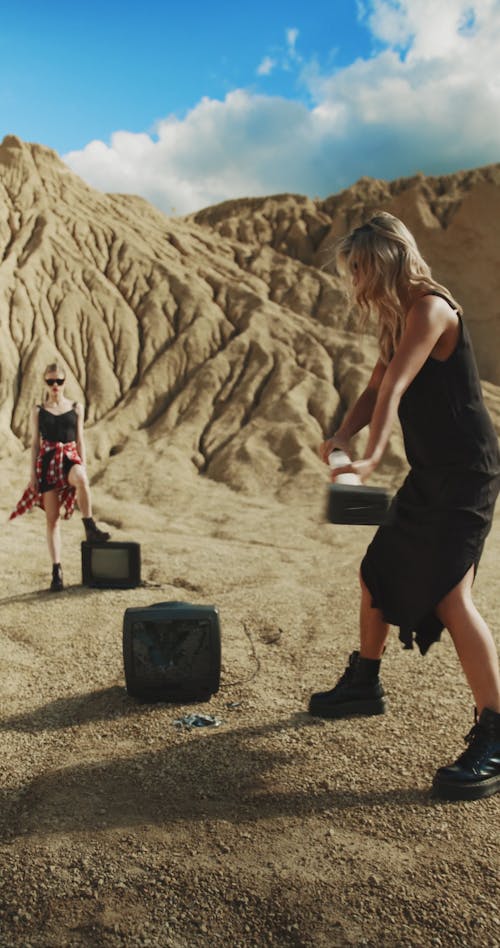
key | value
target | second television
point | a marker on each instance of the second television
(111, 565)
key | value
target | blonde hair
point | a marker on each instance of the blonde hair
(53, 367)
(391, 273)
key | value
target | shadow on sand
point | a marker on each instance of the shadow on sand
(231, 774)
(46, 595)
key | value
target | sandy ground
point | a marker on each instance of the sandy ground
(117, 828)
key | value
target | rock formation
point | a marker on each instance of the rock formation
(223, 340)
(455, 219)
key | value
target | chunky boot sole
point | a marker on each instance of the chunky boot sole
(347, 709)
(472, 790)
(92, 532)
(97, 536)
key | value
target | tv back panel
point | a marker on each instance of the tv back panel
(111, 565)
(348, 503)
(172, 652)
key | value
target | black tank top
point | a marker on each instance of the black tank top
(443, 416)
(58, 427)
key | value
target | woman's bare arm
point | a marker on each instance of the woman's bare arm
(80, 438)
(35, 445)
(358, 416)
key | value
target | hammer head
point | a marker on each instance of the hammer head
(357, 504)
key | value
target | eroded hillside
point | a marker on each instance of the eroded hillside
(455, 219)
(223, 338)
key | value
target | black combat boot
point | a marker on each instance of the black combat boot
(358, 691)
(92, 532)
(476, 773)
(57, 578)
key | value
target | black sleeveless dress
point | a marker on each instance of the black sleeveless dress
(56, 428)
(440, 517)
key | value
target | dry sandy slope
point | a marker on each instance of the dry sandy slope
(274, 829)
(240, 364)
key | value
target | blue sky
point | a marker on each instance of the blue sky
(71, 73)
(193, 103)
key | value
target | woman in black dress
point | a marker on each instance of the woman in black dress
(418, 570)
(58, 474)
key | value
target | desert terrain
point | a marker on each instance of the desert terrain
(212, 354)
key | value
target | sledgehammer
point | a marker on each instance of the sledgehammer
(349, 501)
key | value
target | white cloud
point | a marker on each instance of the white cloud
(266, 66)
(284, 57)
(292, 36)
(201, 159)
(429, 100)
(430, 28)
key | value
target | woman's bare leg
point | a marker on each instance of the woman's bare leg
(373, 628)
(51, 507)
(474, 643)
(77, 477)
(359, 690)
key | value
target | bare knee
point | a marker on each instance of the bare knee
(459, 599)
(455, 605)
(77, 476)
(52, 521)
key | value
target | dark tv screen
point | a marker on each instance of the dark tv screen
(172, 651)
(109, 564)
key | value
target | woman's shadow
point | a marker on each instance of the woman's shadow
(231, 773)
(47, 595)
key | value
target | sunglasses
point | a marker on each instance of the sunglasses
(55, 381)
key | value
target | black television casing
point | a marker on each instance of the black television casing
(172, 652)
(348, 503)
(111, 565)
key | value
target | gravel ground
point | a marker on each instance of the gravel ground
(117, 828)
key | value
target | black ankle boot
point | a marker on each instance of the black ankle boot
(92, 532)
(358, 691)
(476, 773)
(57, 578)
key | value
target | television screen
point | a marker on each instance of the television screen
(111, 565)
(172, 651)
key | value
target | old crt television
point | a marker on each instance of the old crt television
(111, 565)
(172, 652)
(350, 503)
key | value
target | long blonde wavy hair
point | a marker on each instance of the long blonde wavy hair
(389, 273)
